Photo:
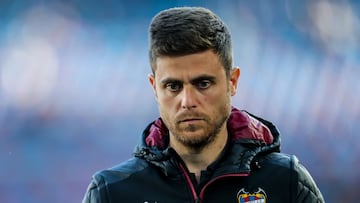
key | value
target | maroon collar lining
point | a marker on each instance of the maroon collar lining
(240, 125)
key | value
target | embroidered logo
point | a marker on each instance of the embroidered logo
(256, 196)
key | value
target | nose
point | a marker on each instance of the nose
(188, 98)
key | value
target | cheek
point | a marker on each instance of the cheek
(217, 96)
(165, 101)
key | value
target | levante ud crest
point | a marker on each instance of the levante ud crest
(254, 196)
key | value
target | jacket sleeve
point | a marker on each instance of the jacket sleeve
(96, 191)
(306, 188)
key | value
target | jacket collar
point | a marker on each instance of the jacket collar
(241, 126)
(249, 136)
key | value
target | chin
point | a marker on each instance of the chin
(196, 138)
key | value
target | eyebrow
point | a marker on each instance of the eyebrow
(192, 81)
(170, 80)
(202, 78)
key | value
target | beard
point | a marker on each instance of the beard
(196, 136)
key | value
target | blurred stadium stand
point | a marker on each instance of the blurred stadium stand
(74, 95)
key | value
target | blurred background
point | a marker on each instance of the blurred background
(74, 94)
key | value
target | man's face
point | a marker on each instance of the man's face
(194, 96)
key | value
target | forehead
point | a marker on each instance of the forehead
(206, 62)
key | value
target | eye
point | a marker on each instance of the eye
(203, 84)
(173, 86)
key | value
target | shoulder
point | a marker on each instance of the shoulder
(288, 162)
(275, 161)
(121, 171)
(285, 162)
(117, 176)
(302, 183)
(279, 159)
(99, 187)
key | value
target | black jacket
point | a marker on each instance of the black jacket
(250, 169)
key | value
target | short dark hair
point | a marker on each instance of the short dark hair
(187, 30)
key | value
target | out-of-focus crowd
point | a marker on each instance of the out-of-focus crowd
(74, 95)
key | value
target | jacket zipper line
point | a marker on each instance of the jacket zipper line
(199, 198)
(191, 185)
(202, 192)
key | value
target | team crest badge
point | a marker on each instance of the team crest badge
(256, 196)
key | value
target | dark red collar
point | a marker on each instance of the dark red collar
(240, 125)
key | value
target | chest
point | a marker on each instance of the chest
(154, 187)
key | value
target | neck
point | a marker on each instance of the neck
(198, 160)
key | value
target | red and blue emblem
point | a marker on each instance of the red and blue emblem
(258, 196)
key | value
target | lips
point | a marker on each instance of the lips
(190, 117)
(186, 120)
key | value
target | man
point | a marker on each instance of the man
(201, 149)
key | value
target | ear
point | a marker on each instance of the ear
(151, 78)
(234, 77)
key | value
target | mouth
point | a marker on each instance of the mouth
(190, 120)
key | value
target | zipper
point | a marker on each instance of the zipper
(198, 198)
(190, 183)
(202, 192)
